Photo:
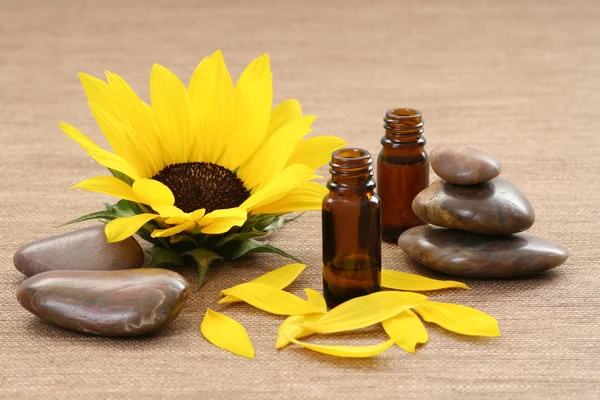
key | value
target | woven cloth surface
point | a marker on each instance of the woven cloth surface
(517, 78)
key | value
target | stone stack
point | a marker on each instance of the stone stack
(80, 281)
(477, 217)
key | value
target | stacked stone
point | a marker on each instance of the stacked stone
(80, 281)
(477, 217)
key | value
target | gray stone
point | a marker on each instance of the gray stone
(470, 255)
(84, 249)
(109, 303)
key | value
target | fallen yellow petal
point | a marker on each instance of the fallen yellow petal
(406, 329)
(272, 300)
(460, 319)
(364, 311)
(226, 333)
(292, 324)
(415, 283)
(316, 299)
(346, 351)
(279, 278)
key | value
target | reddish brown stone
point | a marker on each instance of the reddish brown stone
(109, 303)
(83, 249)
(494, 208)
(463, 165)
(480, 256)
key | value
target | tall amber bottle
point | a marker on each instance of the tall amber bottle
(351, 229)
(402, 170)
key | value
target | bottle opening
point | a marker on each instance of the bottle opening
(349, 156)
(351, 162)
(403, 119)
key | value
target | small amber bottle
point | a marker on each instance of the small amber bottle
(402, 171)
(351, 229)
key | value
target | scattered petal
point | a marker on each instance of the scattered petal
(316, 299)
(272, 300)
(460, 319)
(406, 329)
(365, 311)
(346, 351)
(279, 278)
(226, 333)
(415, 283)
(291, 327)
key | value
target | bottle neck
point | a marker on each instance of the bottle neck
(404, 127)
(351, 171)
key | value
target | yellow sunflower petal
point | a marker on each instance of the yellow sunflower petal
(212, 116)
(458, 318)
(254, 99)
(316, 299)
(284, 113)
(97, 91)
(274, 301)
(101, 156)
(150, 192)
(220, 221)
(198, 214)
(278, 278)
(365, 311)
(346, 351)
(272, 158)
(124, 227)
(226, 333)
(167, 211)
(291, 178)
(139, 119)
(406, 329)
(308, 196)
(108, 185)
(316, 151)
(174, 230)
(120, 139)
(415, 283)
(171, 106)
(292, 326)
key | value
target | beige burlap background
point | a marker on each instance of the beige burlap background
(518, 78)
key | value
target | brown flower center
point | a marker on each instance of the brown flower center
(198, 185)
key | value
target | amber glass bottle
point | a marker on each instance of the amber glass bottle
(402, 171)
(351, 229)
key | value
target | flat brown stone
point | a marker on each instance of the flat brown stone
(463, 165)
(494, 208)
(83, 249)
(470, 255)
(109, 303)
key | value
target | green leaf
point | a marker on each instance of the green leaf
(295, 217)
(262, 221)
(106, 214)
(121, 176)
(159, 256)
(254, 246)
(276, 225)
(203, 258)
(240, 237)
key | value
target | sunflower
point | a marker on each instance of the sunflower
(208, 167)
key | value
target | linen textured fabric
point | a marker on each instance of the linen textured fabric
(518, 79)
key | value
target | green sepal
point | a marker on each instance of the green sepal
(254, 246)
(121, 176)
(240, 237)
(203, 258)
(124, 208)
(159, 257)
